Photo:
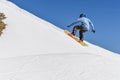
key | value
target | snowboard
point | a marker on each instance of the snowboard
(75, 38)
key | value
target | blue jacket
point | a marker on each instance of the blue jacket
(85, 22)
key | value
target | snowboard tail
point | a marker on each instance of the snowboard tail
(75, 38)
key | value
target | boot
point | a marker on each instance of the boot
(81, 35)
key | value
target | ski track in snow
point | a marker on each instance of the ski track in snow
(55, 61)
(34, 59)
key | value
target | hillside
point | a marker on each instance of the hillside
(27, 34)
(34, 49)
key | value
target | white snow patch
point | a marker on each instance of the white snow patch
(34, 49)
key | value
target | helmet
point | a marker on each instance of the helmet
(82, 15)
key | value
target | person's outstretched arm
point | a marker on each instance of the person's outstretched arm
(92, 26)
(73, 23)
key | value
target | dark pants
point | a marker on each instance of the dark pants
(81, 31)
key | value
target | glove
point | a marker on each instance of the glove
(93, 31)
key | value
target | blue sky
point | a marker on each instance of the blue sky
(104, 14)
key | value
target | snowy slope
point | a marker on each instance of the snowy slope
(60, 67)
(34, 49)
(26, 34)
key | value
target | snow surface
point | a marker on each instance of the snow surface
(34, 49)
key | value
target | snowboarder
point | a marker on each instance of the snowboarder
(83, 24)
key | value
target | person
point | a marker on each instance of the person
(83, 24)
